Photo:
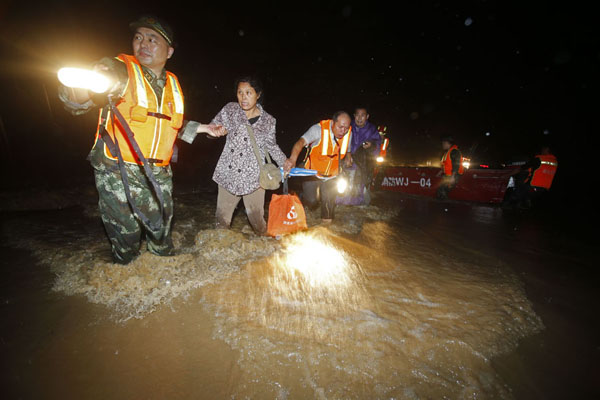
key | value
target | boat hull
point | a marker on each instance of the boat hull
(478, 185)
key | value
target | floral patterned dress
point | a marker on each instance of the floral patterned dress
(237, 169)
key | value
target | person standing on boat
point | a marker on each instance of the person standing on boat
(452, 167)
(329, 144)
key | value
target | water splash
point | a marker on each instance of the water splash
(401, 321)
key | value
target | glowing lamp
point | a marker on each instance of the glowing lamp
(466, 164)
(342, 185)
(379, 159)
(84, 79)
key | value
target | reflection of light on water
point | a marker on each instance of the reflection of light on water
(379, 315)
(316, 262)
(308, 284)
(311, 271)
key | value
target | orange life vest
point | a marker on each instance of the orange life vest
(447, 162)
(543, 176)
(325, 156)
(384, 145)
(154, 125)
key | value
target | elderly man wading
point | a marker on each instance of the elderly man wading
(135, 186)
(329, 143)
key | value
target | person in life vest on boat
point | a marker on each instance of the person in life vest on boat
(535, 177)
(451, 167)
(135, 185)
(328, 145)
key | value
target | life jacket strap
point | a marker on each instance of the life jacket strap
(113, 146)
(158, 115)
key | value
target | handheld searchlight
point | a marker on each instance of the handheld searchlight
(84, 79)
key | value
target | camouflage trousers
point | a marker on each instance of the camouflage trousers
(123, 228)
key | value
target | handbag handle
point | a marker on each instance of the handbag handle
(261, 160)
(285, 185)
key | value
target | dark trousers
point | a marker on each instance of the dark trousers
(523, 195)
(314, 189)
(255, 209)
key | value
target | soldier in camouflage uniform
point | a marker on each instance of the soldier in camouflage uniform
(152, 46)
(122, 226)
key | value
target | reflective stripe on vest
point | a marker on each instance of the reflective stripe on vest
(544, 175)
(155, 125)
(326, 138)
(177, 96)
(345, 142)
(324, 141)
(140, 87)
(384, 145)
(324, 156)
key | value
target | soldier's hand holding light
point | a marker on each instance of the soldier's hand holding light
(85, 79)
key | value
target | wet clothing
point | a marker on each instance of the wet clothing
(367, 133)
(360, 178)
(314, 189)
(123, 228)
(237, 169)
(253, 202)
(365, 164)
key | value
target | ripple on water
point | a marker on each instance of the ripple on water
(422, 326)
(401, 316)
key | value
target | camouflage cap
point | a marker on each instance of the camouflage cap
(154, 23)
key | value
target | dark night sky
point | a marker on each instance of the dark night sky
(514, 70)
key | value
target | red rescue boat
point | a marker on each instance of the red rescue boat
(479, 185)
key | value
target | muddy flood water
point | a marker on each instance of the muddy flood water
(408, 298)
